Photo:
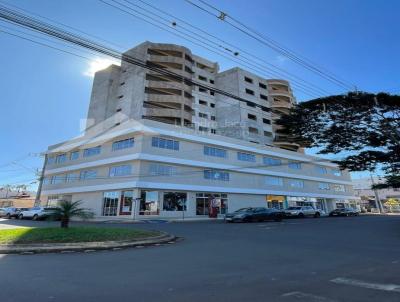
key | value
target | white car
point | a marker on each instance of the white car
(36, 213)
(303, 211)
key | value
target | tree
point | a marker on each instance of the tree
(68, 209)
(364, 128)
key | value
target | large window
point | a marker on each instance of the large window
(205, 200)
(126, 203)
(159, 169)
(323, 186)
(211, 151)
(338, 188)
(122, 170)
(320, 170)
(57, 179)
(273, 181)
(216, 175)
(246, 157)
(110, 203)
(61, 158)
(91, 151)
(336, 172)
(294, 165)
(74, 155)
(71, 177)
(88, 174)
(123, 144)
(160, 142)
(296, 183)
(270, 161)
(149, 203)
(174, 201)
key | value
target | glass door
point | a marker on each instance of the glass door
(110, 203)
(126, 203)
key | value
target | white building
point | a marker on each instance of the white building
(158, 147)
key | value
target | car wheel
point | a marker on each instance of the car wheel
(35, 217)
(20, 216)
(301, 215)
(317, 215)
(8, 216)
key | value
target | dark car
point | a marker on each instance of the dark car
(344, 212)
(254, 214)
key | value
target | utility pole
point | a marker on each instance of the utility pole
(41, 178)
(378, 203)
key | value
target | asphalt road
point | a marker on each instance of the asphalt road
(326, 259)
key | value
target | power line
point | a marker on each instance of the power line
(270, 43)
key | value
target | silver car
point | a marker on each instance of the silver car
(36, 213)
(303, 211)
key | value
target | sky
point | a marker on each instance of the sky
(45, 93)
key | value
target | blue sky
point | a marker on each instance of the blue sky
(45, 93)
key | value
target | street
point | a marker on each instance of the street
(326, 259)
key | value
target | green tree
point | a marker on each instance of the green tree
(362, 128)
(68, 209)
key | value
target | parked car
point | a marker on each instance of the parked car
(303, 211)
(344, 212)
(254, 214)
(11, 212)
(36, 213)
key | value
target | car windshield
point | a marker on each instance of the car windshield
(244, 210)
(48, 209)
(294, 208)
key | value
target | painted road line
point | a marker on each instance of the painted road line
(359, 283)
(307, 297)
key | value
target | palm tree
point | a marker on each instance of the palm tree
(67, 209)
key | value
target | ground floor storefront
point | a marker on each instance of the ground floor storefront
(140, 203)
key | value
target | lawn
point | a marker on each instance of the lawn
(70, 235)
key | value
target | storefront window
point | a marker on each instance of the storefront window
(126, 202)
(174, 201)
(149, 203)
(275, 201)
(110, 203)
(205, 200)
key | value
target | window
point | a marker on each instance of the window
(126, 203)
(212, 81)
(202, 90)
(338, 188)
(270, 161)
(320, 170)
(122, 84)
(122, 170)
(174, 201)
(248, 80)
(57, 179)
(51, 160)
(118, 110)
(149, 203)
(266, 121)
(267, 133)
(61, 158)
(211, 151)
(203, 129)
(71, 177)
(251, 117)
(264, 97)
(163, 143)
(123, 144)
(213, 131)
(249, 91)
(265, 109)
(251, 104)
(212, 92)
(212, 117)
(74, 155)
(216, 175)
(295, 183)
(91, 151)
(120, 96)
(110, 203)
(202, 78)
(203, 115)
(158, 169)
(263, 86)
(294, 165)
(253, 130)
(273, 181)
(88, 174)
(246, 157)
(212, 105)
(323, 186)
(336, 172)
(201, 102)
(205, 200)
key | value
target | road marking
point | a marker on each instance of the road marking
(359, 283)
(307, 297)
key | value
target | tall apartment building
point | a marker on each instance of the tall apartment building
(158, 146)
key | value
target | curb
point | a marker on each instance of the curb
(27, 249)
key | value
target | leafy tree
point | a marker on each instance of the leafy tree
(362, 127)
(68, 209)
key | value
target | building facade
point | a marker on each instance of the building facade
(157, 146)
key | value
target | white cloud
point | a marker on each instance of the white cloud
(98, 64)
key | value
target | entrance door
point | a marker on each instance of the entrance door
(126, 203)
(110, 203)
(202, 205)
